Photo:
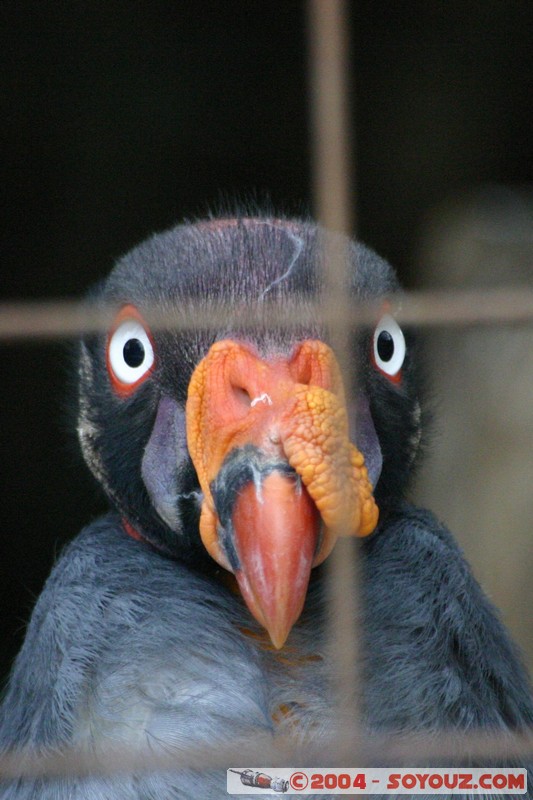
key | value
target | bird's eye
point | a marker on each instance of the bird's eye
(388, 347)
(130, 353)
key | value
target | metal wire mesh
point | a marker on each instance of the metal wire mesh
(56, 319)
(333, 204)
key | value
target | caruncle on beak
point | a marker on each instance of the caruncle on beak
(280, 478)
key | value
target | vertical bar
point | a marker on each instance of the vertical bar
(333, 198)
(330, 124)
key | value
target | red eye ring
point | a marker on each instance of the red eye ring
(388, 348)
(130, 352)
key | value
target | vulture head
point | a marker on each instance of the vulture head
(236, 448)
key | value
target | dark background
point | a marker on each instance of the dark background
(119, 118)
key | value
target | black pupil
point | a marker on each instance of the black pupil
(385, 346)
(133, 353)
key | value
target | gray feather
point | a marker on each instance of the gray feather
(128, 646)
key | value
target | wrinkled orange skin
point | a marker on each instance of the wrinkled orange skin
(292, 408)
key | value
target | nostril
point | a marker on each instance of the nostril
(305, 374)
(241, 377)
(241, 397)
(302, 370)
(314, 364)
(244, 401)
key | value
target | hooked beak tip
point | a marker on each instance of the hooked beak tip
(278, 638)
(278, 623)
(275, 536)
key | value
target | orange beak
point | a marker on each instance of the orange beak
(280, 478)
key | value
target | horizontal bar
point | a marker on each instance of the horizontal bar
(53, 319)
(346, 749)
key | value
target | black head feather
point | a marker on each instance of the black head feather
(237, 261)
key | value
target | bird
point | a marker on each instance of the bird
(233, 457)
